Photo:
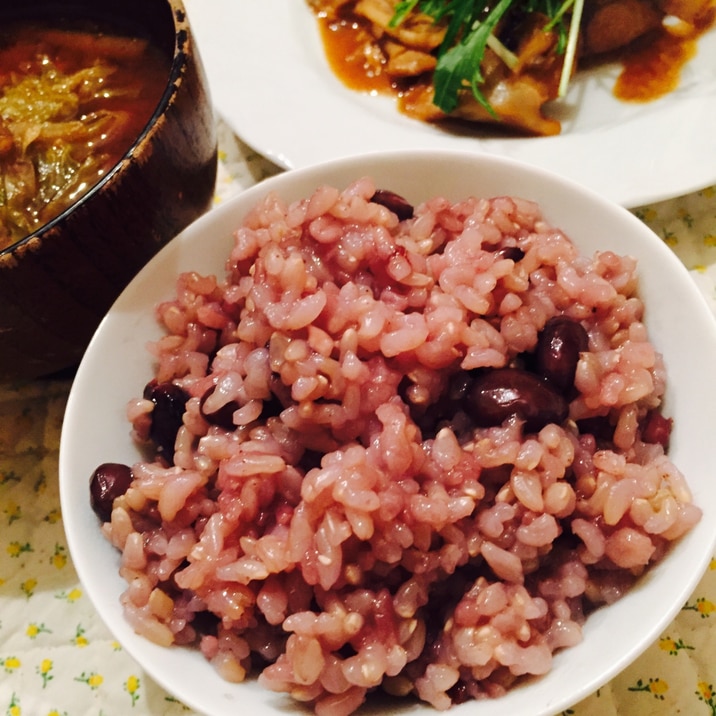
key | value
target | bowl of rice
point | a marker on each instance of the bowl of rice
(393, 434)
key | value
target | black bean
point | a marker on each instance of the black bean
(510, 252)
(459, 386)
(108, 482)
(428, 416)
(169, 405)
(501, 393)
(558, 347)
(224, 416)
(460, 692)
(396, 203)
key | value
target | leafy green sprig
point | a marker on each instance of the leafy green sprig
(470, 30)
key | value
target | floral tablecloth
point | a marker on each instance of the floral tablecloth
(58, 659)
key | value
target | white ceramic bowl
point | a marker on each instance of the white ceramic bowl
(117, 366)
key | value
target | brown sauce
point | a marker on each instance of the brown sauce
(72, 103)
(652, 66)
(654, 70)
(353, 56)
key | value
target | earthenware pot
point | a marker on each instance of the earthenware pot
(57, 283)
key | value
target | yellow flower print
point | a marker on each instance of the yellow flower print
(668, 644)
(131, 686)
(44, 670)
(13, 708)
(687, 218)
(80, 638)
(669, 238)
(13, 512)
(656, 687)
(72, 596)
(673, 647)
(53, 516)
(702, 606)
(116, 646)
(15, 549)
(59, 558)
(705, 692)
(708, 192)
(710, 240)
(10, 664)
(712, 564)
(34, 629)
(647, 214)
(93, 679)
(28, 586)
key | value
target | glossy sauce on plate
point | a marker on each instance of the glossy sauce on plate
(652, 68)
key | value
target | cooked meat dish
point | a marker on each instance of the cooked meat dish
(503, 63)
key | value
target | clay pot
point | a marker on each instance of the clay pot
(57, 283)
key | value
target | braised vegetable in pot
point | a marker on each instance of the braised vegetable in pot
(71, 105)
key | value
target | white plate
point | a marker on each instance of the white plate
(117, 366)
(272, 85)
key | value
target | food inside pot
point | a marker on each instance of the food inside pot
(72, 103)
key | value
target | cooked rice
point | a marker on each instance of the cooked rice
(343, 534)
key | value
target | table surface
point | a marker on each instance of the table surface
(58, 659)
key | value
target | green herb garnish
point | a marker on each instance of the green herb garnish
(470, 26)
